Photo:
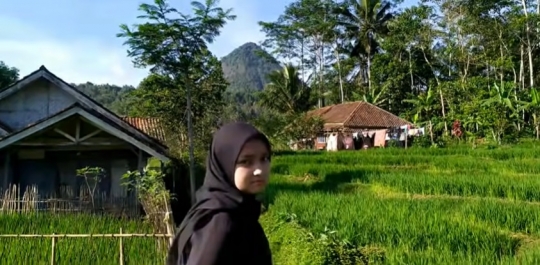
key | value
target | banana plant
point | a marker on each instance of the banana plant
(533, 106)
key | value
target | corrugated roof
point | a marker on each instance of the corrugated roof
(357, 114)
(149, 126)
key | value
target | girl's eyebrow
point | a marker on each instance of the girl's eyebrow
(247, 156)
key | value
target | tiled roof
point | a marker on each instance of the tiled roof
(149, 126)
(357, 114)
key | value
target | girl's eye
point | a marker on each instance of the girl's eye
(244, 163)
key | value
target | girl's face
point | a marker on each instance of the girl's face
(252, 167)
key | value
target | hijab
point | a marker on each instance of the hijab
(219, 193)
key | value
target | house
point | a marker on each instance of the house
(354, 117)
(49, 129)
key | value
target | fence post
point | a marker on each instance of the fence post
(121, 246)
(52, 248)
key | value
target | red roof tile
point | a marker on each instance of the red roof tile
(149, 126)
(357, 114)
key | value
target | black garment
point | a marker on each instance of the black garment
(367, 140)
(357, 142)
(223, 227)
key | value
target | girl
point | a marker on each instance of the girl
(223, 227)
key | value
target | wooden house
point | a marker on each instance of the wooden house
(49, 129)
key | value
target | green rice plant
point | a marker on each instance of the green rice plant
(75, 250)
(412, 171)
(418, 206)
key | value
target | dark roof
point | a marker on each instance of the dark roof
(154, 144)
(357, 114)
(85, 101)
(5, 127)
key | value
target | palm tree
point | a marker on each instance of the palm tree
(364, 21)
(285, 92)
(374, 96)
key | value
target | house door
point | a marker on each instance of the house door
(37, 172)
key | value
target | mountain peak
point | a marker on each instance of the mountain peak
(249, 45)
(247, 67)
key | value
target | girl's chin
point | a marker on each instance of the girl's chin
(257, 188)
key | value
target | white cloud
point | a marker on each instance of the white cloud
(104, 60)
(243, 29)
(28, 48)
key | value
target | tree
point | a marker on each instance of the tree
(305, 33)
(504, 105)
(423, 109)
(285, 93)
(175, 45)
(533, 105)
(364, 22)
(8, 75)
(452, 52)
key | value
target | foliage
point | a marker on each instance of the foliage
(285, 92)
(302, 126)
(437, 60)
(115, 98)
(175, 47)
(92, 177)
(154, 197)
(148, 185)
(8, 75)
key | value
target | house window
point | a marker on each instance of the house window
(321, 139)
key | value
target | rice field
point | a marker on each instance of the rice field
(391, 206)
(74, 250)
(416, 206)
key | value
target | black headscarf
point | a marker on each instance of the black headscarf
(219, 193)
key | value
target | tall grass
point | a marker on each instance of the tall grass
(74, 250)
(421, 206)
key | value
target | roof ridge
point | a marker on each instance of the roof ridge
(106, 110)
(358, 103)
(388, 112)
(83, 99)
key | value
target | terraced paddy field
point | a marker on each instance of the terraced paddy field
(415, 206)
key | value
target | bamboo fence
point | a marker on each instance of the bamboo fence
(120, 236)
(66, 200)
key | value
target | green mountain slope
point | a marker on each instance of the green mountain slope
(246, 69)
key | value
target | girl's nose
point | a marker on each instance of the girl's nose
(257, 172)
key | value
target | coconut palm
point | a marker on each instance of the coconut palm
(364, 22)
(285, 92)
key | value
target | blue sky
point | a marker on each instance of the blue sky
(77, 39)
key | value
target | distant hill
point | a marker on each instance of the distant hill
(113, 97)
(246, 68)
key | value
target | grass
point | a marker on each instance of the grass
(74, 250)
(416, 206)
